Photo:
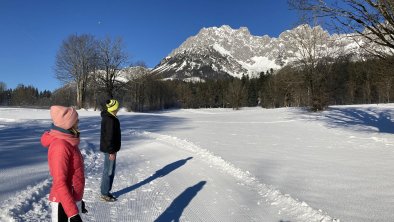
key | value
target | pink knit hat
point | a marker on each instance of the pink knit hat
(64, 117)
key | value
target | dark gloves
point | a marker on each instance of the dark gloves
(76, 218)
(83, 207)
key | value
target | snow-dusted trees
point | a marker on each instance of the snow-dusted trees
(75, 61)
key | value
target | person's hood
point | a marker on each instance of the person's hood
(48, 137)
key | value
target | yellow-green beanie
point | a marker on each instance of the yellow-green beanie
(112, 105)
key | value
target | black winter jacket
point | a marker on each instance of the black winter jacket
(110, 138)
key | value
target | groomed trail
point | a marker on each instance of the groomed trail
(215, 165)
(165, 178)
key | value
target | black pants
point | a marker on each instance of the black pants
(58, 214)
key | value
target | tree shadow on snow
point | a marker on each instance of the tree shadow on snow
(175, 210)
(160, 173)
(20, 144)
(21, 154)
(150, 122)
(361, 119)
(145, 122)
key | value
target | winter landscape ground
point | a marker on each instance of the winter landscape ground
(215, 165)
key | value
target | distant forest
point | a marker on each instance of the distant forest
(334, 83)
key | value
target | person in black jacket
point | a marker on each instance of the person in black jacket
(110, 142)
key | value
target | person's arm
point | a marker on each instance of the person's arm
(109, 135)
(78, 179)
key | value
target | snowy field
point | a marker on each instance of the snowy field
(215, 165)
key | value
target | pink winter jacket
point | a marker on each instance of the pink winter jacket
(66, 168)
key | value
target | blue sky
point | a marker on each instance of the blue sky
(32, 30)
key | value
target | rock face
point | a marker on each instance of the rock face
(217, 53)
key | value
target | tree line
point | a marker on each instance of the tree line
(343, 81)
(24, 96)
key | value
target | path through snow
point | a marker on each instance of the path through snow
(164, 178)
(215, 165)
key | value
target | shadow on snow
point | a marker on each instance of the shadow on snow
(150, 122)
(20, 145)
(90, 126)
(160, 173)
(175, 210)
(353, 117)
(21, 154)
(20, 142)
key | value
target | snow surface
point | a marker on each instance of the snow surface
(221, 50)
(194, 79)
(259, 64)
(215, 165)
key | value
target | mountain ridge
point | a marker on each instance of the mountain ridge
(224, 52)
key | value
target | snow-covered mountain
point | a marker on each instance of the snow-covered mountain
(133, 72)
(220, 52)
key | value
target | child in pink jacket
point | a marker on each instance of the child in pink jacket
(65, 164)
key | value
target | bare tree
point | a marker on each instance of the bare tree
(64, 96)
(236, 91)
(111, 59)
(371, 19)
(75, 60)
(312, 50)
(381, 72)
(137, 77)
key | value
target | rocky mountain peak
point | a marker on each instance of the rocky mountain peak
(236, 52)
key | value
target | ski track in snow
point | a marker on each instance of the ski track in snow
(297, 209)
(26, 202)
(239, 122)
(31, 204)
